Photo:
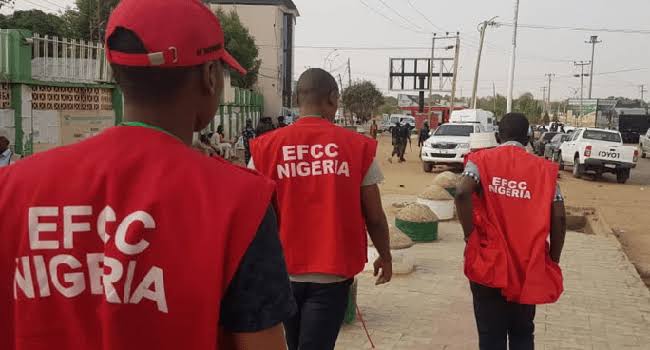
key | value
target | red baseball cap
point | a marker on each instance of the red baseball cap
(176, 33)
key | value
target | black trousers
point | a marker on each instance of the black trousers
(321, 309)
(498, 321)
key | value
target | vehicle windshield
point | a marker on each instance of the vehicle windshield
(454, 130)
(557, 139)
(601, 136)
(548, 136)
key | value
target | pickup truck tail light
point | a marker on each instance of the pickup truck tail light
(636, 156)
(588, 151)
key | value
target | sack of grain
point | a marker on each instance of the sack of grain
(448, 181)
(398, 240)
(418, 222)
(435, 193)
(415, 212)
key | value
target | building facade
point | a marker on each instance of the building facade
(271, 23)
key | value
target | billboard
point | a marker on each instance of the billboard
(404, 100)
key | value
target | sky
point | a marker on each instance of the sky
(622, 60)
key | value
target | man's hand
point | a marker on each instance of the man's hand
(386, 268)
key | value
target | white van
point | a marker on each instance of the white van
(399, 118)
(475, 116)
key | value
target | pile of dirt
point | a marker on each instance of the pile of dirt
(446, 179)
(416, 212)
(435, 193)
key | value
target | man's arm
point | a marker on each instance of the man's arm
(377, 225)
(272, 339)
(558, 230)
(464, 190)
(259, 298)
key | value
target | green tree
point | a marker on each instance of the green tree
(527, 105)
(241, 44)
(4, 3)
(35, 20)
(363, 99)
(488, 104)
(88, 21)
(389, 106)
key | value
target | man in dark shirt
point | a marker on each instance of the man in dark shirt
(247, 135)
(424, 134)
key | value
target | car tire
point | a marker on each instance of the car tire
(643, 154)
(578, 169)
(622, 175)
(560, 161)
(427, 167)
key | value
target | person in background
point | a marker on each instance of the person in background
(508, 202)
(5, 152)
(218, 141)
(374, 129)
(145, 259)
(264, 126)
(325, 208)
(399, 143)
(281, 122)
(247, 135)
(424, 134)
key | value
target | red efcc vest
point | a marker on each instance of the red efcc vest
(512, 221)
(318, 168)
(127, 240)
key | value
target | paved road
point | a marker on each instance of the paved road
(605, 305)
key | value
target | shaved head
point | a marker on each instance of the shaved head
(315, 87)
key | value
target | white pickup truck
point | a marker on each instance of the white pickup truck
(448, 145)
(644, 144)
(598, 151)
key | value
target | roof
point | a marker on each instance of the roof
(286, 3)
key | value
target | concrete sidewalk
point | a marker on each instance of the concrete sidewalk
(605, 305)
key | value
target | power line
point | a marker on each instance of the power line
(399, 15)
(390, 19)
(40, 5)
(423, 16)
(581, 29)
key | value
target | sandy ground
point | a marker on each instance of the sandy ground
(626, 208)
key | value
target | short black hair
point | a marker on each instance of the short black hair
(145, 83)
(514, 127)
(315, 86)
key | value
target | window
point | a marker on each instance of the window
(557, 138)
(576, 135)
(454, 130)
(599, 135)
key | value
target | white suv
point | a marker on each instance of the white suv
(449, 145)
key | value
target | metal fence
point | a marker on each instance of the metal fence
(4, 53)
(62, 59)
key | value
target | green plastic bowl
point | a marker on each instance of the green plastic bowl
(451, 191)
(419, 231)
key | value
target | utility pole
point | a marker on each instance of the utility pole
(548, 96)
(593, 41)
(643, 91)
(544, 88)
(482, 28)
(341, 87)
(433, 52)
(494, 98)
(582, 65)
(454, 80)
(511, 74)
(349, 74)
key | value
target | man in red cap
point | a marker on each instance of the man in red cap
(328, 197)
(115, 242)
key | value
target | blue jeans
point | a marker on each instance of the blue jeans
(321, 309)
